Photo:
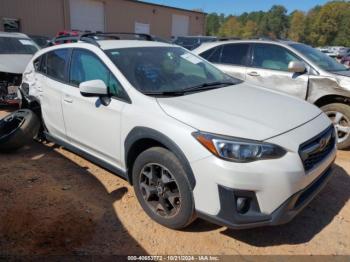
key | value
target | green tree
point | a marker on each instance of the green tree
(297, 26)
(213, 24)
(322, 25)
(232, 27)
(277, 21)
(250, 29)
(311, 34)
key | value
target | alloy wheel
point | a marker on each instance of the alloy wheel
(160, 190)
(341, 123)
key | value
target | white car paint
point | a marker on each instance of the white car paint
(15, 63)
(237, 108)
(242, 111)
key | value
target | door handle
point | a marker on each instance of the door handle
(68, 99)
(253, 73)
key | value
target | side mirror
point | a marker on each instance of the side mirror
(296, 67)
(93, 88)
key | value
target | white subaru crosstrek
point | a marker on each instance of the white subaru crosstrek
(190, 139)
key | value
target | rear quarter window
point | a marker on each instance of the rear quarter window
(56, 62)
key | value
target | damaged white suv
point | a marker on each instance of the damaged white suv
(16, 50)
(192, 140)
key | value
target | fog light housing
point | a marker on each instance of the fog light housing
(242, 204)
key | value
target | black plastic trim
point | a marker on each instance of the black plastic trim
(227, 215)
(139, 133)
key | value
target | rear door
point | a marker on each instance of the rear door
(91, 126)
(51, 83)
(269, 68)
(230, 58)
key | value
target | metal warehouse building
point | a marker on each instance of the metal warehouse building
(47, 17)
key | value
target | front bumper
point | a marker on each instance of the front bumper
(271, 185)
(229, 217)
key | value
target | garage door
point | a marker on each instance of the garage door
(87, 15)
(141, 28)
(180, 25)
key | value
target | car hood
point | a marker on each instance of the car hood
(342, 73)
(240, 111)
(13, 63)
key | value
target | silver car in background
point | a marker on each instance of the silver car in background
(289, 67)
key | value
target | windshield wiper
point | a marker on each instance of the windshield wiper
(208, 86)
(202, 87)
(165, 93)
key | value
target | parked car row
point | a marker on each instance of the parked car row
(335, 51)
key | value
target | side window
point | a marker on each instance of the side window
(86, 66)
(56, 62)
(40, 64)
(272, 57)
(212, 55)
(235, 54)
(43, 66)
(37, 63)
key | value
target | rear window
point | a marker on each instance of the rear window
(56, 62)
(235, 54)
(12, 45)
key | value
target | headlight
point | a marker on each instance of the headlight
(239, 150)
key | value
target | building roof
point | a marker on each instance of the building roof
(170, 7)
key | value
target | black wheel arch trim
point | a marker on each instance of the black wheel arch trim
(139, 133)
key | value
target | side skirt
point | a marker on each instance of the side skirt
(101, 163)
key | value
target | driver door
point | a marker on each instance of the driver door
(91, 126)
(269, 69)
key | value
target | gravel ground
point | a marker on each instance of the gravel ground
(54, 202)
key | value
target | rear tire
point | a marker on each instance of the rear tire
(340, 116)
(18, 129)
(162, 188)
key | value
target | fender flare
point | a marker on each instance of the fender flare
(139, 133)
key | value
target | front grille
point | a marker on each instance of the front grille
(312, 188)
(318, 148)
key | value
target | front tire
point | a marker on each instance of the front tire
(340, 116)
(162, 188)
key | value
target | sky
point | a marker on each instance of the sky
(237, 7)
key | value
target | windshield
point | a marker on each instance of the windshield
(165, 69)
(322, 60)
(12, 45)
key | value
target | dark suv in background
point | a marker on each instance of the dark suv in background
(192, 42)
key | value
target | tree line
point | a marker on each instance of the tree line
(322, 25)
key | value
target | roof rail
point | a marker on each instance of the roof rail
(93, 37)
(116, 35)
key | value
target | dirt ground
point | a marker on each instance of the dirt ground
(54, 202)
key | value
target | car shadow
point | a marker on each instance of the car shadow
(320, 212)
(53, 205)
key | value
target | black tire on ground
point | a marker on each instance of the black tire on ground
(18, 129)
(175, 193)
(340, 116)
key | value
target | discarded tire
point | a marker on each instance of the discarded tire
(18, 129)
